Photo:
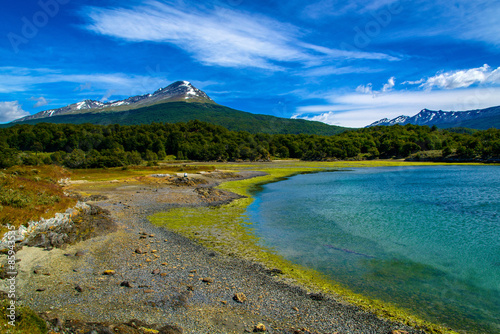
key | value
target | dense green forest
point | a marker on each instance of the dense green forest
(177, 112)
(87, 145)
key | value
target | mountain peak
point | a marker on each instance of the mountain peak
(176, 85)
(385, 121)
(182, 90)
(178, 91)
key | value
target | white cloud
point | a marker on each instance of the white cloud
(417, 82)
(220, 37)
(40, 101)
(389, 85)
(463, 78)
(365, 89)
(368, 89)
(11, 110)
(359, 110)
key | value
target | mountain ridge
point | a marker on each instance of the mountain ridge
(177, 91)
(481, 119)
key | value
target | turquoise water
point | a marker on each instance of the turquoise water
(424, 238)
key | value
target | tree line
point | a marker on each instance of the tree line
(91, 146)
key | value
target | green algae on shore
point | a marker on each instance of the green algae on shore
(227, 230)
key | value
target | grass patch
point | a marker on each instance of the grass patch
(227, 230)
(27, 321)
(118, 173)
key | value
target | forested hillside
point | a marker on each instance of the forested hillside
(175, 112)
(86, 145)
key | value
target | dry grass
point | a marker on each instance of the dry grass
(30, 193)
(107, 174)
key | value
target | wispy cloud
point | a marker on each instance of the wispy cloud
(347, 54)
(217, 36)
(474, 20)
(11, 110)
(331, 8)
(462, 78)
(358, 110)
(40, 101)
(84, 87)
(458, 20)
(14, 79)
(108, 94)
(323, 71)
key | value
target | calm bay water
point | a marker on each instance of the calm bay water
(424, 238)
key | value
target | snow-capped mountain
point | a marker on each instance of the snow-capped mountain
(477, 119)
(178, 91)
(386, 121)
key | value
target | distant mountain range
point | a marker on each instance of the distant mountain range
(481, 119)
(179, 102)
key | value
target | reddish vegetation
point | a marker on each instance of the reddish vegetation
(30, 193)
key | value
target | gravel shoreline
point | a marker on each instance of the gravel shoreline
(147, 273)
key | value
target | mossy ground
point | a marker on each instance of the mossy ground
(227, 230)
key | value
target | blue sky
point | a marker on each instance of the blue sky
(346, 63)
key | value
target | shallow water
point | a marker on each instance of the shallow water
(424, 238)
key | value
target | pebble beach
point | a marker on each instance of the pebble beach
(135, 277)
